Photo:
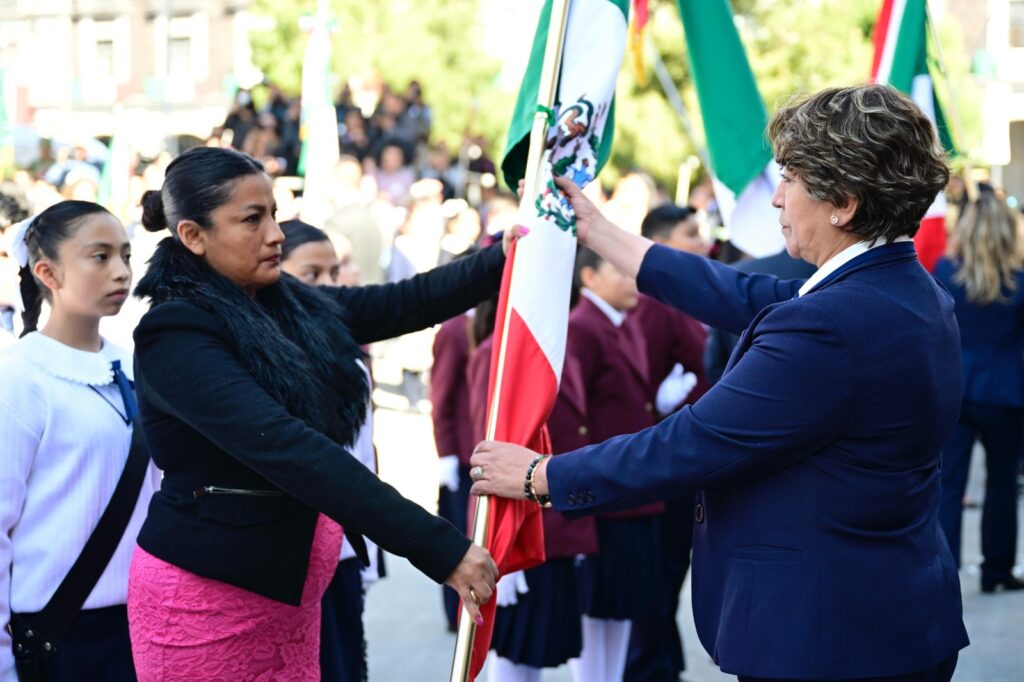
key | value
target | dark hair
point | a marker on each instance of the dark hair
(196, 183)
(47, 232)
(662, 220)
(483, 322)
(585, 258)
(297, 233)
(13, 205)
(870, 143)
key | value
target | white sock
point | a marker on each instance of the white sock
(590, 666)
(616, 647)
(503, 670)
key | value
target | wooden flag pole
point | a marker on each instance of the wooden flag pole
(538, 139)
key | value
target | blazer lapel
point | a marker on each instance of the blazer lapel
(635, 349)
(571, 388)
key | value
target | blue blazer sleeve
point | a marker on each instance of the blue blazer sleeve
(383, 311)
(714, 293)
(782, 402)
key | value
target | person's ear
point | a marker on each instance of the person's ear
(192, 236)
(845, 212)
(48, 273)
(587, 276)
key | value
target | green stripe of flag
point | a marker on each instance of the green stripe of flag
(731, 107)
(908, 59)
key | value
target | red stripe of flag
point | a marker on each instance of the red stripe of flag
(881, 33)
(528, 388)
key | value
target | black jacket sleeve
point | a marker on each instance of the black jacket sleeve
(383, 311)
(189, 371)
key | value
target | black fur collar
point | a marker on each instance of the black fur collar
(291, 337)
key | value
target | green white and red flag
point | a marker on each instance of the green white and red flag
(742, 167)
(533, 305)
(901, 60)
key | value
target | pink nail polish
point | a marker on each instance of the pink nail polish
(479, 620)
(523, 231)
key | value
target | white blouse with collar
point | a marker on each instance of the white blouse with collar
(62, 449)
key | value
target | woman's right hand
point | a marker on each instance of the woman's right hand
(588, 216)
(474, 579)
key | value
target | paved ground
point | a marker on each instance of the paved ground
(406, 631)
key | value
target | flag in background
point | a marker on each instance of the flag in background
(535, 288)
(901, 60)
(641, 13)
(743, 171)
(318, 121)
(116, 175)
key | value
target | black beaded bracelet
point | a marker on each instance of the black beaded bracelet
(528, 487)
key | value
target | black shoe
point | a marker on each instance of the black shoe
(1010, 584)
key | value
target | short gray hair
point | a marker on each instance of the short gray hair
(870, 143)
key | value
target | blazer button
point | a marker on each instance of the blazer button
(649, 407)
(590, 496)
(698, 513)
(572, 499)
(583, 430)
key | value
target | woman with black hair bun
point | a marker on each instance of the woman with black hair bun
(252, 395)
(67, 418)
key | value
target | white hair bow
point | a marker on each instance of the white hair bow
(16, 245)
(18, 250)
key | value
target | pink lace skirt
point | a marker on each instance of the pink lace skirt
(186, 627)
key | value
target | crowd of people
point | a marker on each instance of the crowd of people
(247, 534)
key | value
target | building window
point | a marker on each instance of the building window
(104, 59)
(1017, 23)
(179, 56)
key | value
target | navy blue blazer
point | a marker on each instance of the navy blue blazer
(992, 337)
(817, 548)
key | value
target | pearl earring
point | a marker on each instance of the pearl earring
(834, 220)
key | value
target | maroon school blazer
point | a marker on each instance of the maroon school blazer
(562, 537)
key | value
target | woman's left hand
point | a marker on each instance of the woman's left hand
(517, 232)
(500, 469)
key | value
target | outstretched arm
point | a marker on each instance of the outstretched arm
(712, 292)
(781, 403)
(383, 311)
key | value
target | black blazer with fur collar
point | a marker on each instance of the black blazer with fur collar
(211, 421)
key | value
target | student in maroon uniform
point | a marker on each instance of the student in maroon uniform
(541, 627)
(623, 582)
(675, 354)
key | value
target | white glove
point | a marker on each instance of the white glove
(448, 474)
(510, 587)
(674, 389)
(370, 576)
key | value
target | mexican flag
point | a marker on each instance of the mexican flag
(901, 60)
(533, 304)
(318, 124)
(595, 41)
(743, 171)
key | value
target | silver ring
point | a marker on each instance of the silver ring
(477, 474)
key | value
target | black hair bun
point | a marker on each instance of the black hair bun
(153, 218)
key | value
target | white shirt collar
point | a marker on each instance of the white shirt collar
(617, 317)
(842, 258)
(72, 364)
